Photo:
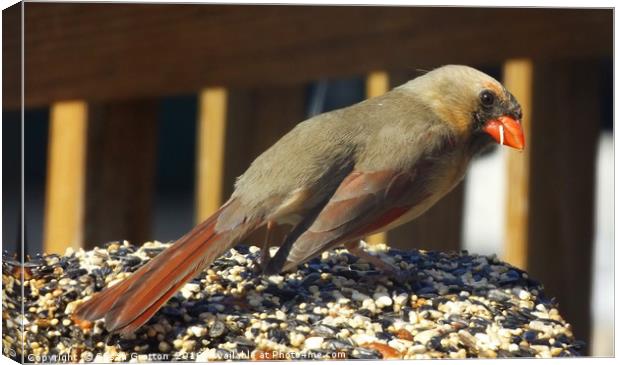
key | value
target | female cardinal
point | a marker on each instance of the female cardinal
(335, 178)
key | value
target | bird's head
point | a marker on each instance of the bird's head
(476, 104)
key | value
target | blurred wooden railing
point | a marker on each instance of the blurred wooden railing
(248, 66)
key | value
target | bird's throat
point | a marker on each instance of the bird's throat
(479, 142)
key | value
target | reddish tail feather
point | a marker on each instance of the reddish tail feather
(129, 304)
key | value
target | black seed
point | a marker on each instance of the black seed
(310, 279)
(562, 338)
(349, 274)
(365, 312)
(272, 320)
(339, 345)
(283, 294)
(364, 353)
(540, 341)
(244, 343)
(74, 273)
(434, 343)
(216, 329)
(509, 277)
(268, 304)
(196, 310)
(323, 331)
(171, 312)
(530, 336)
(327, 297)
(277, 335)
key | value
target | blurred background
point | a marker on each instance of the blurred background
(138, 118)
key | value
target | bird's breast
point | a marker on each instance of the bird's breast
(435, 181)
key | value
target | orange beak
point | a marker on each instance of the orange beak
(506, 131)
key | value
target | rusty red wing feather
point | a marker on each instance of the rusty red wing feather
(386, 218)
(164, 272)
(364, 202)
(358, 194)
(341, 212)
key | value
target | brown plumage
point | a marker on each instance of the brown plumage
(335, 178)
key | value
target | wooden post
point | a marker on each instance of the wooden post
(518, 79)
(121, 170)
(210, 154)
(64, 196)
(377, 83)
(565, 121)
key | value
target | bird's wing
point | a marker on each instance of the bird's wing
(363, 203)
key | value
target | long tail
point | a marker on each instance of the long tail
(128, 305)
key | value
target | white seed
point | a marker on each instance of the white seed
(313, 342)
(425, 336)
(383, 300)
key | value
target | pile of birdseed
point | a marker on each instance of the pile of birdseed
(333, 307)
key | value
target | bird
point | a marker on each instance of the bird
(334, 178)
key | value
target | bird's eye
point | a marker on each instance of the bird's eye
(487, 98)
